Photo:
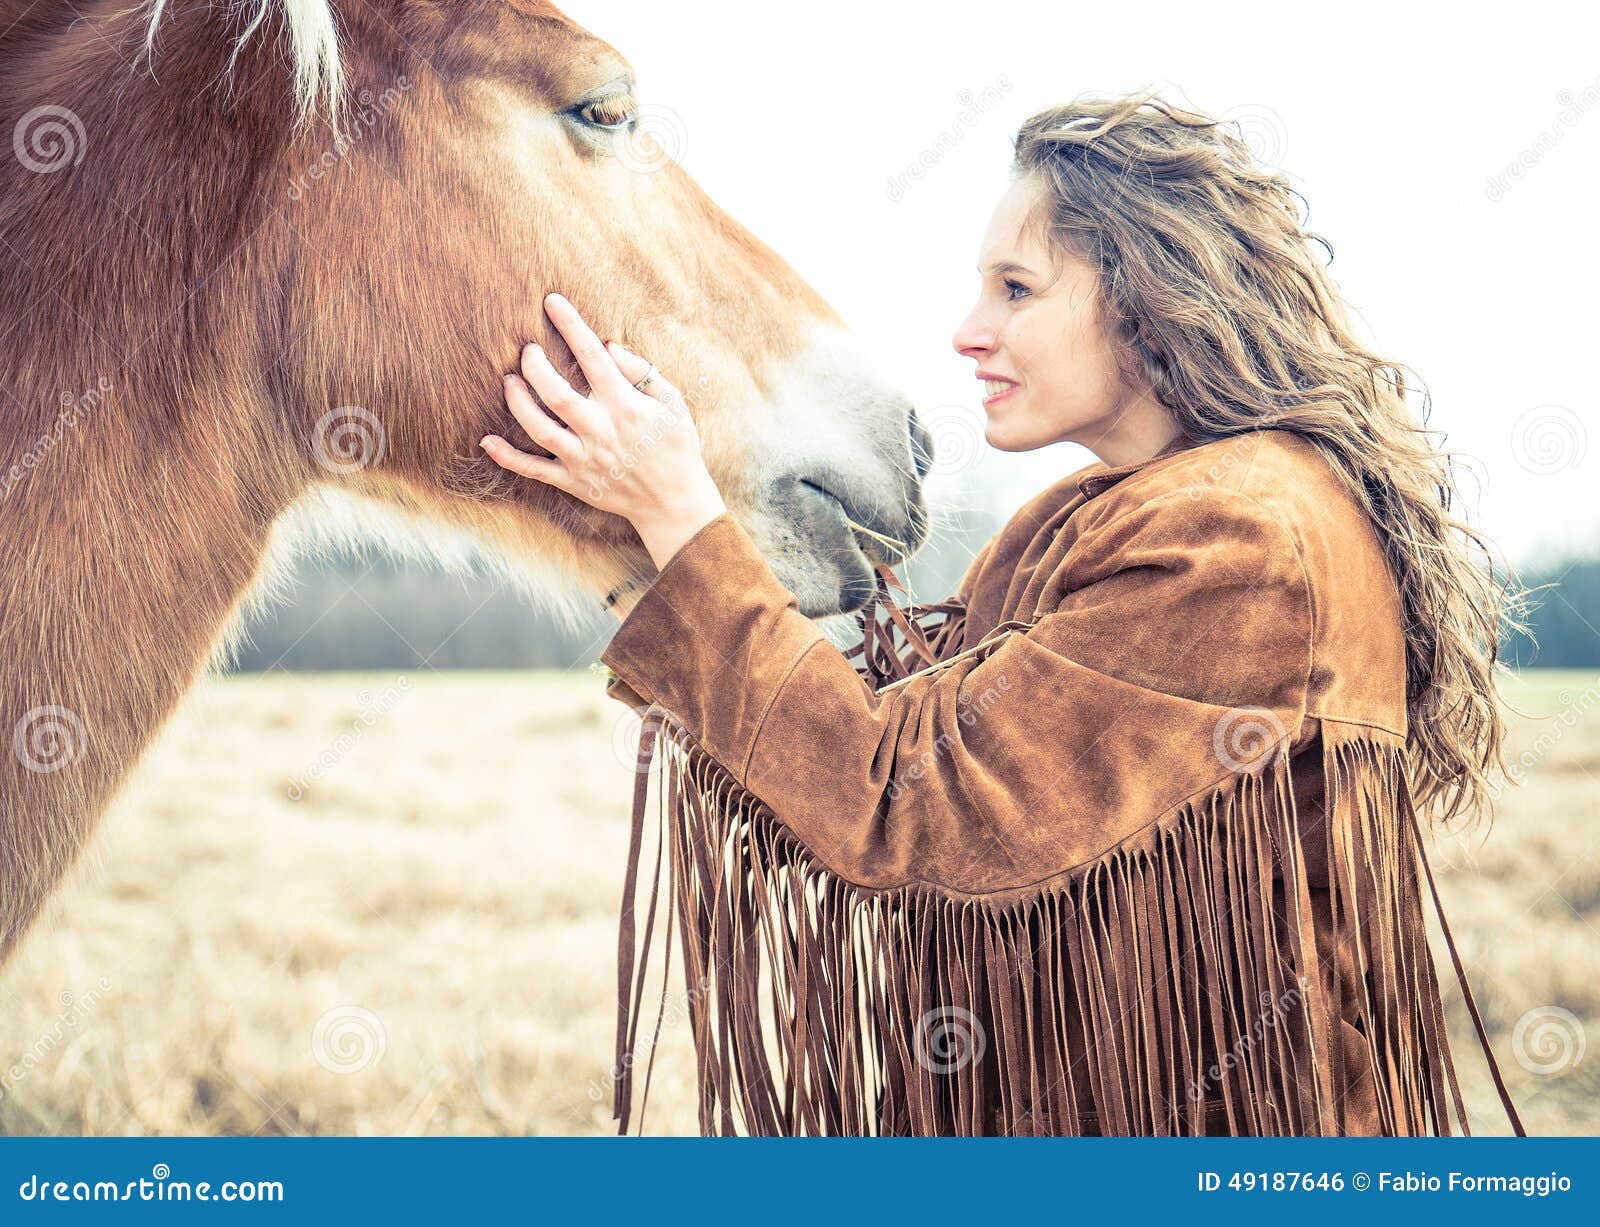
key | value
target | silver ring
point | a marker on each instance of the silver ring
(648, 378)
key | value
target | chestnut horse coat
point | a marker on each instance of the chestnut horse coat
(1133, 853)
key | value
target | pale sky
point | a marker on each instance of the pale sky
(1398, 123)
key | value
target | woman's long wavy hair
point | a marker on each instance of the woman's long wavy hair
(1210, 288)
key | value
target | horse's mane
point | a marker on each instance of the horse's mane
(313, 35)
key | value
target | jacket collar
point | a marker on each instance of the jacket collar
(1096, 480)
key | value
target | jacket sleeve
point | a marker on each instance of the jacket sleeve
(1178, 641)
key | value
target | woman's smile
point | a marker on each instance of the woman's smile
(996, 387)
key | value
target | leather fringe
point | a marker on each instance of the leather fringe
(1171, 986)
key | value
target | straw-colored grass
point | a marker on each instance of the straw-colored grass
(382, 905)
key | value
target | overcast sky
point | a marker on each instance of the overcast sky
(1450, 153)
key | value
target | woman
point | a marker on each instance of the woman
(1142, 836)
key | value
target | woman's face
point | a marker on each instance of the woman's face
(1050, 372)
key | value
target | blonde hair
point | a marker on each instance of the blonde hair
(1211, 290)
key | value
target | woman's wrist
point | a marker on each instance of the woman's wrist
(667, 529)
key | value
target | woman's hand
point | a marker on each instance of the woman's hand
(630, 452)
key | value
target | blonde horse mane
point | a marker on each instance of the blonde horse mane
(316, 65)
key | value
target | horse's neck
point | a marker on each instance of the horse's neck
(125, 563)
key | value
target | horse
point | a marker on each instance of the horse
(263, 267)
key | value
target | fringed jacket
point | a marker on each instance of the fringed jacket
(1135, 854)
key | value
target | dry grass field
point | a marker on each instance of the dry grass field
(373, 904)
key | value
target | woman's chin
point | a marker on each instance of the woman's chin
(1004, 436)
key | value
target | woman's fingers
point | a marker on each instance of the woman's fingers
(598, 366)
(635, 368)
(551, 472)
(555, 391)
(630, 455)
(541, 427)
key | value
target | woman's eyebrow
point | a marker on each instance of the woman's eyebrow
(1003, 268)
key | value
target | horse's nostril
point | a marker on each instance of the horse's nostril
(921, 447)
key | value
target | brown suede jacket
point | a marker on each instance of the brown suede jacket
(1177, 685)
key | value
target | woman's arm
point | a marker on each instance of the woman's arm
(1179, 646)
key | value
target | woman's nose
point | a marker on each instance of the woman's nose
(974, 337)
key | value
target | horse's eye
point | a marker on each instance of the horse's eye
(611, 113)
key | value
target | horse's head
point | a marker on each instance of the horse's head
(491, 151)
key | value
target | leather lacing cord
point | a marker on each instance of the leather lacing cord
(1466, 989)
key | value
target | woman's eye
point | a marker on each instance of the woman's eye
(609, 113)
(1015, 289)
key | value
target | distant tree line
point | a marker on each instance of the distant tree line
(384, 614)
(389, 615)
(1565, 621)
